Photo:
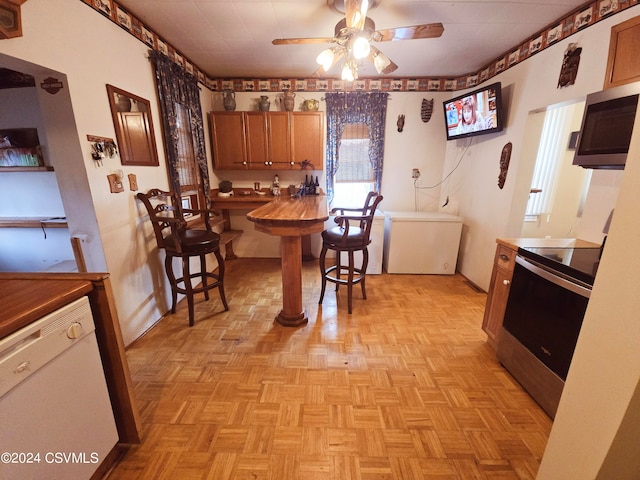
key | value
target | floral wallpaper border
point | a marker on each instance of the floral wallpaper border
(577, 20)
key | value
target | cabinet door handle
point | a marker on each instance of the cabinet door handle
(504, 258)
(506, 282)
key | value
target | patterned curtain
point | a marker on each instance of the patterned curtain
(176, 86)
(355, 107)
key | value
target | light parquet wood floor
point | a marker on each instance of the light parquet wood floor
(404, 388)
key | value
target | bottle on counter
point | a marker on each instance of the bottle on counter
(316, 186)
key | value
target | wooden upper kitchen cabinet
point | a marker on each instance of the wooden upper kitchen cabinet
(256, 139)
(279, 139)
(228, 140)
(307, 139)
(267, 140)
(503, 264)
(624, 49)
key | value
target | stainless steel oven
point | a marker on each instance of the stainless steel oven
(548, 297)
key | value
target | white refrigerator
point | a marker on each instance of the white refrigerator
(421, 242)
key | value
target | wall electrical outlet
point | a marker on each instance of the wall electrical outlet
(415, 173)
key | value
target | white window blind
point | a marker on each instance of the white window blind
(354, 178)
(354, 164)
(552, 143)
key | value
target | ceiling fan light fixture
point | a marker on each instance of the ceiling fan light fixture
(361, 47)
(347, 73)
(364, 6)
(381, 62)
(325, 59)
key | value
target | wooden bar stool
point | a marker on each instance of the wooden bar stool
(178, 241)
(351, 235)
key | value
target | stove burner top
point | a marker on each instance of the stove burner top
(579, 263)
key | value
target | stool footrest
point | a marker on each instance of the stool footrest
(343, 271)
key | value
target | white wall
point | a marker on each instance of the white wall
(92, 52)
(489, 212)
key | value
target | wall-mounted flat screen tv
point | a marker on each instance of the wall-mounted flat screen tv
(474, 113)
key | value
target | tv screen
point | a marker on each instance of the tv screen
(474, 113)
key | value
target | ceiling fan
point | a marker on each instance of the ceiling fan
(353, 36)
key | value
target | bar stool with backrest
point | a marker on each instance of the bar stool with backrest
(171, 232)
(351, 235)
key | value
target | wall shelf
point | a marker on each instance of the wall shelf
(26, 169)
(33, 222)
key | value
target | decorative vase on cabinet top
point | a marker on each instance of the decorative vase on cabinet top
(311, 105)
(229, 100)
(288, 100)
(264, 103)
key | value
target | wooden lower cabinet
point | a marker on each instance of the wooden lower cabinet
(503, 264)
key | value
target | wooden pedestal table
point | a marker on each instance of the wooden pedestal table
(291, 219)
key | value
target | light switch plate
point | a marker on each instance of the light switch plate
(133, 182)
(114, 184)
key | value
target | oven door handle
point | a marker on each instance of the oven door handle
(553, 278)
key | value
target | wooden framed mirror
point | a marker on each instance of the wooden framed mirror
(134, 128)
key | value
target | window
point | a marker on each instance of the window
(183, 131)
(355, 145)
(186, 166)
(354, 178)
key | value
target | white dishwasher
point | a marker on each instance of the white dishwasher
(56, 419)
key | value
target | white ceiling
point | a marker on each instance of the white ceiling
(232, 38)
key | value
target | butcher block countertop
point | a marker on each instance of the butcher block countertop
(515, 243)
(285, 211)
(25, 301)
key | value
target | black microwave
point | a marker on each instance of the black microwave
(607, 126)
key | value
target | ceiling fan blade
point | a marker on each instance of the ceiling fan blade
(382, 63)
(356, 13)
(427, 30)
(297, 41)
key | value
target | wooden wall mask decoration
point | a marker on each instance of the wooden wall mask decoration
(426, 110)
(570, 63)
(505, 157)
